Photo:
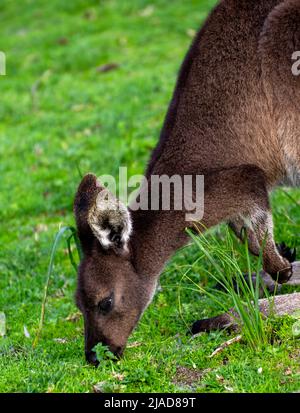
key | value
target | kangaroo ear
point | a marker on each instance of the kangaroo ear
(99, 214)
(84, 199)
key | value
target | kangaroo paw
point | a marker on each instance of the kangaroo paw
(286, 252)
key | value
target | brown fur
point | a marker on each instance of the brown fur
(234, 118)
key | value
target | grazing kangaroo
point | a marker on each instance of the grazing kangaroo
(234, 118)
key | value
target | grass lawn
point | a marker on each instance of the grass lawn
(61, 114)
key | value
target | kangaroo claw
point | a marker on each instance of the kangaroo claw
(286, 252)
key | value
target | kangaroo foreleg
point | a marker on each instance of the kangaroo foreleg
(242, 191)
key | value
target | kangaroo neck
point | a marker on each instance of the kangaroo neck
(157, 235)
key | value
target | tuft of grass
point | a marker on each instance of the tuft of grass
(239, 287)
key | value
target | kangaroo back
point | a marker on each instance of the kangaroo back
(222, 112)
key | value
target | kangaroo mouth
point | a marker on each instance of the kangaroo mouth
(91, 355)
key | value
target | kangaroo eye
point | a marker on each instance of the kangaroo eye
(105, 305)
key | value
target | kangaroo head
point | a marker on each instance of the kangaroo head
(110, 293)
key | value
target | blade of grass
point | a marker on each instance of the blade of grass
(58, 237)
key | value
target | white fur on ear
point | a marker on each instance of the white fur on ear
(110, 221)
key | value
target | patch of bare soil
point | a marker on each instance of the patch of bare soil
(188, 378)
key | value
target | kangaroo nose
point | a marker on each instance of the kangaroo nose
(91, 357)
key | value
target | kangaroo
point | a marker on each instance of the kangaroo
(234, 118)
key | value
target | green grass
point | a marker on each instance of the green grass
(243, 293)
(60, 117)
